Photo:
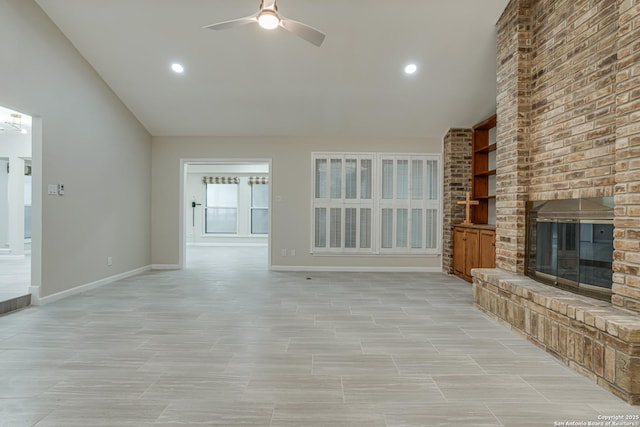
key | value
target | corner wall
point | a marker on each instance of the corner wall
(457, 181)
(513, 122)
(90, 142)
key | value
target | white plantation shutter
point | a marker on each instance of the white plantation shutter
(342, 203)
(394, 210)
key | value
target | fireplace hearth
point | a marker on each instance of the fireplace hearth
(570, 244)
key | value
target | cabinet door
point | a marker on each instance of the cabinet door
(458, 251)
(472, 254)
(487, 247)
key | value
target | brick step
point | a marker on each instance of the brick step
(14, 304)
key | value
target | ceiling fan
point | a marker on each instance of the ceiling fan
(269, 19)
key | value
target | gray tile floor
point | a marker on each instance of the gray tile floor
(226, 343)
(15, 276)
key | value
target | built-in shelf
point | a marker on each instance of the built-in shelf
(484, 171)
(486, 149)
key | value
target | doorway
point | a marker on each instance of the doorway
(16, 197)
(226, 204)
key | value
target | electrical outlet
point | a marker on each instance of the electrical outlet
(284, 252)
(292, 252)
(109, 261)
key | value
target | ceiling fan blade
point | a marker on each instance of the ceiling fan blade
(304, 31)
(233, 23)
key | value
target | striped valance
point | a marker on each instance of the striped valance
(258, 180)
(221, 180)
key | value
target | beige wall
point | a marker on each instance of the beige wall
(291, 193)
(89, 142)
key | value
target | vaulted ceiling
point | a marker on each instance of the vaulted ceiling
(252, 82)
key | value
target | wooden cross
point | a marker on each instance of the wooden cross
(468, 202)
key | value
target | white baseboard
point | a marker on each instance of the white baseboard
(357, 269)
(166, 267)
(37, 300)
(223, 244)
(9, 255)
(35, 295)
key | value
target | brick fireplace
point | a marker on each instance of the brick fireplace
(568, 128)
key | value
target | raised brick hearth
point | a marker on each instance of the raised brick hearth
(597, 339)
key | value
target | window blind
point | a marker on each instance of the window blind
(221, 180)
(254, 180)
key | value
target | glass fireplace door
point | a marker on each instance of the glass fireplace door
(568, 253)
(596, 254)
(546, 258)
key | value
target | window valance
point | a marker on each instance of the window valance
(258, 180)
(221, 180)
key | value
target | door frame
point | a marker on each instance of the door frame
(182, 202)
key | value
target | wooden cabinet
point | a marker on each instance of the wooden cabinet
(487, 249)
(465, 250)
(473, 247)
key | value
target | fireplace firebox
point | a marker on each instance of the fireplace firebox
(570, 244)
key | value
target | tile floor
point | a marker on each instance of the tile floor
(15, 276)
(225, 342)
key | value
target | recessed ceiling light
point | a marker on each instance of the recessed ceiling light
(410, 69)
(177, 68)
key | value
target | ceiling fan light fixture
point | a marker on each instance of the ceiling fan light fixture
(268, 19)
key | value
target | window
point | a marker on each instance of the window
(236, 205)
(375, 203)
(221, 211)
(259, 208)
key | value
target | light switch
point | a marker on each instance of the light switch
(52, 190)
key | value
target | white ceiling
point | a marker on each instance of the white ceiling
(250, 82)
